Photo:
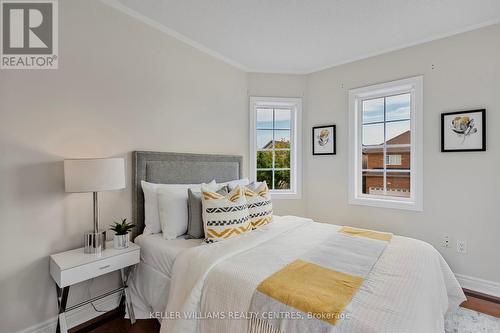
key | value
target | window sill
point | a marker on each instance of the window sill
(386, 203)
(285, 195)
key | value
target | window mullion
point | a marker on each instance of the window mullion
(385, 148)
(274, 149)
(256, 148)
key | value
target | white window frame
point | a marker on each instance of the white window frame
(414, 86)
(295, 104)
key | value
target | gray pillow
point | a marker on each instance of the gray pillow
(195, 213)
(253, 185)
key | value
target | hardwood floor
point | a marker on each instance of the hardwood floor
(113, 322)
(116, 324)
(482, 303)
(120, 325)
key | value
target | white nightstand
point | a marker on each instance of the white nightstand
(71, 267)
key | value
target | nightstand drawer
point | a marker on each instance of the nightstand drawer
(88, 271)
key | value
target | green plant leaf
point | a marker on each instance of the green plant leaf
(122, 228)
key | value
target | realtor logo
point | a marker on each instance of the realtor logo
(29, 34)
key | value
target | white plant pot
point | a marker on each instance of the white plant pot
(121, 242)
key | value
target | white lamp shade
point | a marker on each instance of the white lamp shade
(94, 175)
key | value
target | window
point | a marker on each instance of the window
(385, 138)
(275, 138)
(393, 160)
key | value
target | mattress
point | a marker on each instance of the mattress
(160, 253)
(150, 281)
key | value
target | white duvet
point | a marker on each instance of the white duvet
(150, 280)
(409, 289)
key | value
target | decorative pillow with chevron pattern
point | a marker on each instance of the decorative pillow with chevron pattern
(224, 216)
(260, 206)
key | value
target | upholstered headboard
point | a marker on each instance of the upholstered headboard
(177, 168)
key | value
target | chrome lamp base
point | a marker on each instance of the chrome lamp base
(95, 242)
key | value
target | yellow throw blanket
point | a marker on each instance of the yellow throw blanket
(384, 236)
(322, 283)
(311, 288)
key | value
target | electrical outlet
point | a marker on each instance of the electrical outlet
(462, 246)
(446, 241)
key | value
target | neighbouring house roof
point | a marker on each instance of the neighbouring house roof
(401, 139)
(282, 143)
(268, 145)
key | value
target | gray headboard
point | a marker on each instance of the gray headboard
(177, 168)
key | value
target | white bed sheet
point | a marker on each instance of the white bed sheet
(150, 281)
(160, 253)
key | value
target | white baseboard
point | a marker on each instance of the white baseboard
(77, 316)
(480, 285)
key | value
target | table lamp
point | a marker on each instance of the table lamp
(94, 175)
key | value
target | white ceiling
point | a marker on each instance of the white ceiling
(302, 36)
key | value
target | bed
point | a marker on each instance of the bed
(195, 287)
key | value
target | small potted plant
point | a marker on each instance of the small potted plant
(121, 239)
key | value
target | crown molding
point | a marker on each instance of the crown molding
(175, 34)
(172, 33)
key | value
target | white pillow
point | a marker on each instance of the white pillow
(173, 207)
(235, 183)
(151, 215)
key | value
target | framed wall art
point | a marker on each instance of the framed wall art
(324, 140)
(463, 131)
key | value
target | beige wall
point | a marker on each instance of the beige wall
(461, 190)
(121, 86)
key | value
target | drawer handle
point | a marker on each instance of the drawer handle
(104, 267)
